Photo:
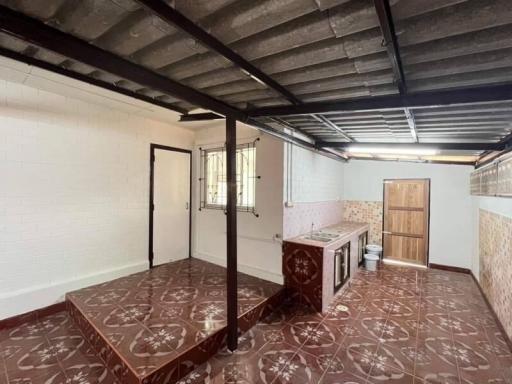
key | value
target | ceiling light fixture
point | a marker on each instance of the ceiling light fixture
(419, 151)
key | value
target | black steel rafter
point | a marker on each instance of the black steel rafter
(440, 146)
(387, 27)
(411, 121)
(328, 123)
(390, 41)
(41, 35)
(505, 146)
(172, 16)
(206, 116)
(86, 79)
(481, 94)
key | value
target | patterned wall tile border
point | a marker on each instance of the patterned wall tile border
(495, 256)
(370, 212)
(496, 318)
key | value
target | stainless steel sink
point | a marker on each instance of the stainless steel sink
(318, 238)
(323, 236)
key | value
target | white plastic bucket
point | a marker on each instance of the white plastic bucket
(370, 261)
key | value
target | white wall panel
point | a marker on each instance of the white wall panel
(451, 219)
(73, 193)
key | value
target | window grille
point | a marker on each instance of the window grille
(213, 186)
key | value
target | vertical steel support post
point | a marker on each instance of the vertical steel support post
(232, 286)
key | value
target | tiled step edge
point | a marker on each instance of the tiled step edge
(200, 354)
(104, 350)
(186, 362)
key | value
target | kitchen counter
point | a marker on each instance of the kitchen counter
(345, 229)
(309, 265)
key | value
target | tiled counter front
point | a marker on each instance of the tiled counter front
(302, 270)
(308, 266)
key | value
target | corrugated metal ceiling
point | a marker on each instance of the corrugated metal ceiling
(318, 49)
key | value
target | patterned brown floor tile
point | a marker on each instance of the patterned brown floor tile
(478, 372)
(399, 333)
(372, 326)
(304, 367)
(303, 314)
(395, 325)
(277, 351)
(321, 345)
(381, 373)
(404, 309)
(355, 360)
(341, 378)
(435, 355)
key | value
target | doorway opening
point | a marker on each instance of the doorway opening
(406, 221)
(170, 198)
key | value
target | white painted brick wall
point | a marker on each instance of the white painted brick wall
(315, 178)
(74, 180)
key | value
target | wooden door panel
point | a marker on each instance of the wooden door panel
(410, 249)
(405, 230)
(405, 194)
(406, 222)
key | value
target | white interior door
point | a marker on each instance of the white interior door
(171, 197)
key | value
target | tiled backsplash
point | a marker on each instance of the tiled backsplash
(297, 219)
(366, 212)
(495, 233)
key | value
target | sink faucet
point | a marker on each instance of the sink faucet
(312, 228)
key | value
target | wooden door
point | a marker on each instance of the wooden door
(406, 220)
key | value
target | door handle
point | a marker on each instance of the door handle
(186, 205)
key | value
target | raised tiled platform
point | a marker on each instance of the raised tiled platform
(157, 326)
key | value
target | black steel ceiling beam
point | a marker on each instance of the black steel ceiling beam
(422, 161)
(489, 93)
(86, 79)
(293, 139)
(172, 16)
(175, 18)
(505, 147)
(440, 146)
(411, 121)
(328, 123)
(387, 27)
(37, 33)
(41, 35)
(206, 116)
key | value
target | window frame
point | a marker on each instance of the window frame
(203, 179)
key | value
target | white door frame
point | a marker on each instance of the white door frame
(153, 148)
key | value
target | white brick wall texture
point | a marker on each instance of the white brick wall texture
(315, 178)
(74, 181)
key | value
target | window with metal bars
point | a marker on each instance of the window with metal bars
(213, 178)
